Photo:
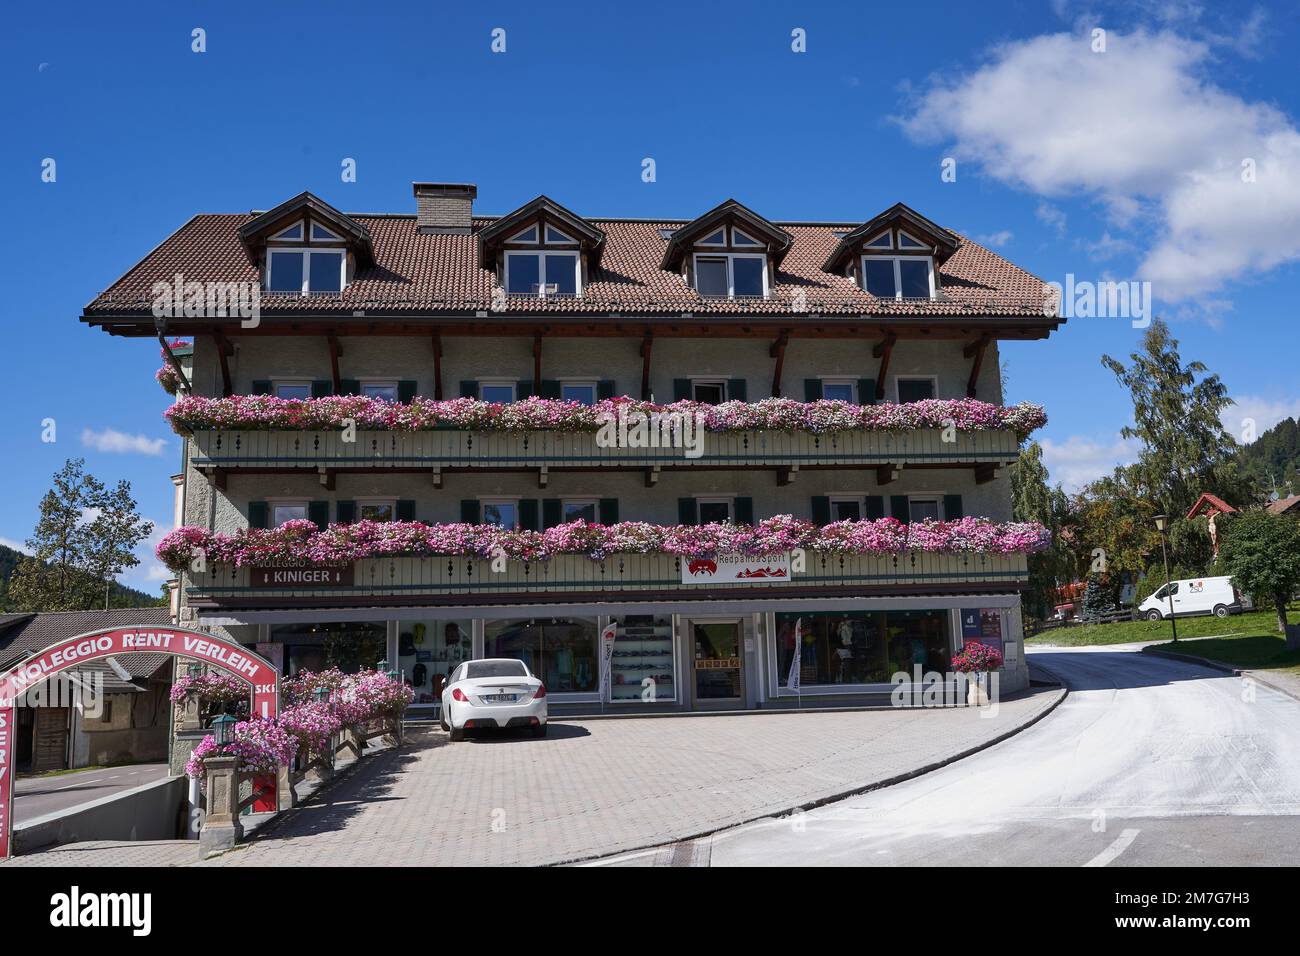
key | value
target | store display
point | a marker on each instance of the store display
(643, 657)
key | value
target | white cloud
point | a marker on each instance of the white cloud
(1107, 247)
(119, 443)
(1142, 129)
(996, 240)
(16, 545)
(1081, 459)
(1051, 216)
(1258, 414)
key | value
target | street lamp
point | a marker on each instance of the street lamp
(1162, 522)
(196, 670)
(224, 728)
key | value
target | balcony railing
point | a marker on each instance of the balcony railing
(462, 449)
(634, 576)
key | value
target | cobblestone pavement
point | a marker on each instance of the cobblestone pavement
(591, 787)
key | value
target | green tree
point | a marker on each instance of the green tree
(1176, 415)
(83, 538)
(1032, 499)
(1113, 528)
(1262, 553)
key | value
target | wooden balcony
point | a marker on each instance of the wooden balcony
(448, 450)
(637, 577)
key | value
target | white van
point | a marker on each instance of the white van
(1214, 596)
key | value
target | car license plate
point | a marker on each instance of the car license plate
(500, 698)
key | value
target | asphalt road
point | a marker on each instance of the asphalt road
(1147, 762)
(37, 796)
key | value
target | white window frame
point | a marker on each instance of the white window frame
(307, 252)
(293, 382)
(874, 241)
(751, 244)
(273, 503)
(373, 503)
(483, 503)
(898, 273)
(535, 227)
(859, 500)
(937, 498)
(510, 383)
(898, 397)
(542, 277)
(564, 239)
(852, 383)
(919, 245)
(715, 245)
(578, 500)
(581, 383)
(720, 382)
(330, 235)
(378, 383)
(731, 271)
(728, 500)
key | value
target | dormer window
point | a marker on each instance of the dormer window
(542, 273)
(898, 277)
(731, 275)
(882, 241)
(318, 266)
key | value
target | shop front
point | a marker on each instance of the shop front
(719, 655)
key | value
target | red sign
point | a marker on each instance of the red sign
(75, 651)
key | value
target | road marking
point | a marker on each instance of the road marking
(1109, 854)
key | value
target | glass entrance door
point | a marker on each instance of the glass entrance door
(717, 661)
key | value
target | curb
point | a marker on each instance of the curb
(1224, 668)
(1064, 692)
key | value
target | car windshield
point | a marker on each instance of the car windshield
(495, 669)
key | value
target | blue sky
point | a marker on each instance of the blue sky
(1114, 164)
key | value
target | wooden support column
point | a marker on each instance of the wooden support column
(537, 364)
(336, 350)
(976, 349)
(647, 344)
(224, 351)
(777, 351)
(883, 350)
(437, 366)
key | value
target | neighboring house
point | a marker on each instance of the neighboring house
(728, 307)
(132, 721)
(1285, 506)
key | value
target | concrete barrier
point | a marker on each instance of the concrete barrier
(148, 812)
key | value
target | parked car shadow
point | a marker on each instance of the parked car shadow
(554, 731)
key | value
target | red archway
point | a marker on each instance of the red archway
(177, 641)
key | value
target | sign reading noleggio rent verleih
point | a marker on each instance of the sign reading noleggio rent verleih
(737, 569)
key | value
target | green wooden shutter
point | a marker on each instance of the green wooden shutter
(550, 388)
(262, 386)
(821, 510)
(812, 389)
(322, 388)
(469, 511)
(349, 386)
(552, 512)
(524, 389)
(744, 509)
(875, 507)
(319, 512)
(608, 511)
(866, 391)
(952, 507)
(528, 514)
(345, 512)
(405, 510)
(681, 389)
(898, 508)
(605, 389)
(406, 391)
(687, 511)
(468, 388)
(737, 390)
(258, 514)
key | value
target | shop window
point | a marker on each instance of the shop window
(428, 651)
(562, 652)
(643, 665)
(350, 646)
(861, 647)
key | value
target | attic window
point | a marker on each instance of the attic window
(529, 236)
(739, 238)
(554, 235)
(907, 242)
(718, 238)
(731, 275)
(898, 277)
(881, 241)
(543, 273)
(320, 234)
(666, 233)
(304, 269)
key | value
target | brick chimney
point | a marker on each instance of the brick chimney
(444, 208)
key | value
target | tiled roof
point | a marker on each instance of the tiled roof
(20, 639)
(416, 273)
(1283, 505)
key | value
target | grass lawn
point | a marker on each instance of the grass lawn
(1243, 640)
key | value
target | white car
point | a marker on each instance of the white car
(497, 692)
(1215, 596)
